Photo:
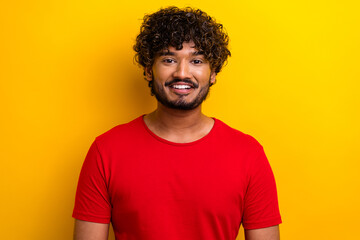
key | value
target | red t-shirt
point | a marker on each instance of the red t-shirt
(154, 189)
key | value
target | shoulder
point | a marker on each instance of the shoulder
(236, 137)
(121, 133)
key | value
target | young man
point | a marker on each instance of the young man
(175, 173)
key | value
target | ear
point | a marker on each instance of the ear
(148, 73)
(212, 77)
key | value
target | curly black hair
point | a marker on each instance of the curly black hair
(173, 26)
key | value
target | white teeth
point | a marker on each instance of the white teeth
(181, 86)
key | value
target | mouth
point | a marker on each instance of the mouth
(181, 88)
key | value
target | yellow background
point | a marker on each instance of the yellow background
(67, 75)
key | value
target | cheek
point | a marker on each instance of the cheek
(202, 74)
(161, 74)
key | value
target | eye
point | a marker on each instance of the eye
(168, 60)
(197, 61)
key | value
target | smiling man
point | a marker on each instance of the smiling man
(186, 76)
(175, 173)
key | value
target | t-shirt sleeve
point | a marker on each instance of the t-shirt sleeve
(92, 199)
(261, 207)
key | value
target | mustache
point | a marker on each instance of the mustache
(186, 80)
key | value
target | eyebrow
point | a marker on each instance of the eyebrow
(198, 53)
(166, 53)
(169, 53)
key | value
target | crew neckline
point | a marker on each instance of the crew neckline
(163, 140)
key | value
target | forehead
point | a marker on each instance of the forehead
(187, 48)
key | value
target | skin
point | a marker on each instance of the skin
(173, 124)
(269, 233)
(172, 67)
(176, 125)
(84, 230)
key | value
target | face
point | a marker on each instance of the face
(181, 78)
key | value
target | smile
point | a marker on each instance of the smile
(176, 86)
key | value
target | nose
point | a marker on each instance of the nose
(182, 70)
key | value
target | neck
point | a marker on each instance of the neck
(178, 119)
(179, 125)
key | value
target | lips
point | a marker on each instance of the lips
(176, 86)
(181, 82)
(181, 87)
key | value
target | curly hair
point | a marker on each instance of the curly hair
(172, 27)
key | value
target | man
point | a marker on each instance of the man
(176, 173)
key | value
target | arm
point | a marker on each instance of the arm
(90, 231)
(92, 201)
(269, 233)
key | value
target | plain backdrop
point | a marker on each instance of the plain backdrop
(67, 75)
